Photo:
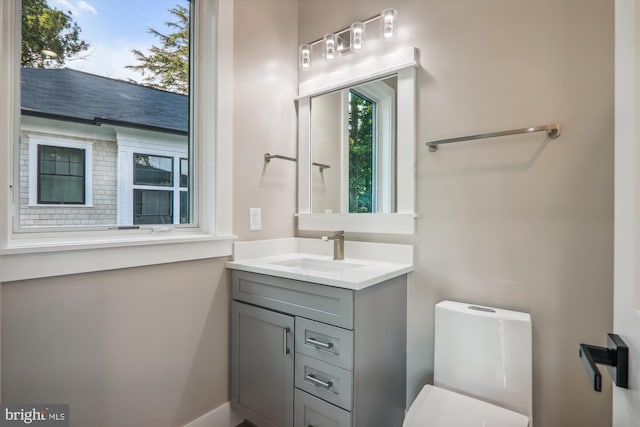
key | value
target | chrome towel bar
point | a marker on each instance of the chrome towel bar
(268, 157)
(553, 131)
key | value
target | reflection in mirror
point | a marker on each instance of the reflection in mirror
(354, 131)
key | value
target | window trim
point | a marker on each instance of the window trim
(118, 248)
(34, 165)
(175, 188)
(384, 185)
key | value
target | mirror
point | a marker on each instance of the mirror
(353, 132)
(370, 186)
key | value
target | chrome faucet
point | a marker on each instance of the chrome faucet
(338, 244)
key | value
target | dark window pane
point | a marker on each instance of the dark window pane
(153, 170)
(60, 180)
(184, 207)
(184, 172)
(48, 167)
(61, 189)
(152, 207)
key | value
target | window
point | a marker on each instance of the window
(158, 197)
(71, 93)
(153, 170)
(184, 191)
(104, 243)
(60, 175)
(362, 149)
(58, 181)
(371, 147)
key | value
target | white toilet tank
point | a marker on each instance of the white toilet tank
(484, 352)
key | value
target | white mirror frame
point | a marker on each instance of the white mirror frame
(403, 63)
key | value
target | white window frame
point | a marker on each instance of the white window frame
(69, 252)
(384, 185)
(34, 165)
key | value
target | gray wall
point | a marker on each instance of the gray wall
(510, 222)
(266, 72)
(133, 347)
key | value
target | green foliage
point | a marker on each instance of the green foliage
(167, 67)
(361, 128)
(46, 29)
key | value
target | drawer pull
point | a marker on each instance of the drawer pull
(313, 380)
(314, 342)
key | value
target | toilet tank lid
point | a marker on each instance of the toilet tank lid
(437, 407)
(484, 311)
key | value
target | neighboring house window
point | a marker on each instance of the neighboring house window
(153, 183)
(155, 193)
(60, 172)
(60, 175)
(184, 191)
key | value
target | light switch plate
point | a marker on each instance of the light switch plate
(255, 219)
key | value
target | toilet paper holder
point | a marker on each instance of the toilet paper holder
(615, 356)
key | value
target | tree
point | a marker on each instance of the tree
(167, 67)
(49, 36)
(361, 129)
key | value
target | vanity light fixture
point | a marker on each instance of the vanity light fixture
(304, 58)
(357, 35)
(388, 23)
(330, 46)
(340, 42)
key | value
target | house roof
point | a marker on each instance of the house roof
(72, 95)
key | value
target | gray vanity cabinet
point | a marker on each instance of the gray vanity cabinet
(305, 354)
(264, 360)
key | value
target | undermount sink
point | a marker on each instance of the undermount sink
(318, 265)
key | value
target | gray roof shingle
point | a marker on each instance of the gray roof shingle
(73, 95)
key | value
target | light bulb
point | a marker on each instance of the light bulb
(388, 22)
(304, 57)
(357, 35)
(330, 46)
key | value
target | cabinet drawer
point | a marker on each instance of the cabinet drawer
(318, 302)
(326, 381)
(325, 342)
(314, 412)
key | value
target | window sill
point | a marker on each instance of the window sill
(58, 205)
(28, 258)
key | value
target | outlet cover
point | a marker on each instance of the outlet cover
(255, 219)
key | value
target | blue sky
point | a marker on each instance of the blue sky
(113, 28)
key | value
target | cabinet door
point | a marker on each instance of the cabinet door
(262, 364)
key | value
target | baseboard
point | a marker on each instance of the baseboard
(222, 416)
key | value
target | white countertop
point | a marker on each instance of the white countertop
(365, 264)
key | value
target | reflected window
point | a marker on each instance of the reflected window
(153, 170)
(362, 149)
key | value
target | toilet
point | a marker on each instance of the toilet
(482, 370)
